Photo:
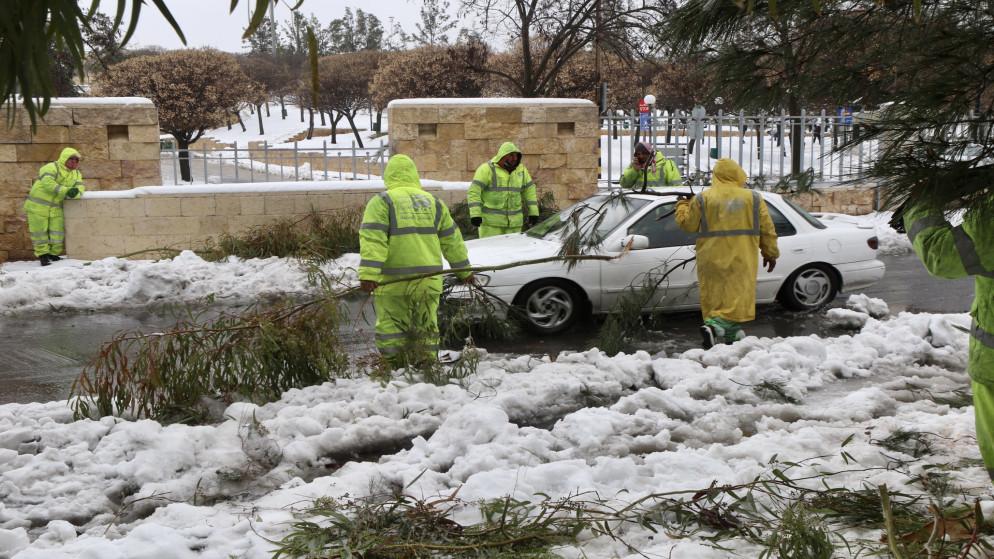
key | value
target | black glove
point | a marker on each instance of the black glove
(532, 220)
(72, 192)
(476, 221)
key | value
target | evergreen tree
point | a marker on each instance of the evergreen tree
(434, 24)
(355, 32)
(395, 38)
(261, 42)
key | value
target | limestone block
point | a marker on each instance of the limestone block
(15, 134)
(452, 162)
(123, 226)
(540, 145)
(50, 135)
(90, 150)
(145, 133)
(427, 163)
(451, 131)
(477, 151)
(534, 114)
(141, 168)
(87, 134)
(103, 208)
(412, 114)
(94, 248)
(463, 114)
(20, 175)
(581, 160)
(551, 160)
(133, 150)
(587, 129)
(10, 205)
(56, 116)
(581, 191)
(8, 152)
(197, 206)
(436, 146)
(147, 181)
(172, 226)
(503, 115)
(452, 175)
(328, 199)
(253, 205)
(213, 225)
(543, 177)
(513, 132)
(484, 132)
(115, 114)
(572, 113)
(579, 145)
(38, 152)
(163, 206)
(278, 205)
(99, 169)
(539, 130)
(131, 208)
(359, 198)
(227, 205)
(403, 131)
(112, 183)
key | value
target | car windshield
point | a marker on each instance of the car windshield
(596, 217)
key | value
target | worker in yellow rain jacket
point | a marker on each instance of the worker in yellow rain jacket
(404, 232)
(650, 168)
(733, 226)
(957, 252)
(56, 182)
(501, 193)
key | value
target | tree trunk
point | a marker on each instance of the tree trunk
(238, 115)
(310, 128)
(282, 108)
(334, 128)
(355, 132)
(259, 112)
(322, 118)
(183, 154)
(302, 114)
(267, 109)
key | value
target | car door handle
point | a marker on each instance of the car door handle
(799, 250)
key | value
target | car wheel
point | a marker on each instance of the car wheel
(809, 288)
(550, 306)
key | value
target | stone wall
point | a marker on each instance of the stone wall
(117, 137)
(844, 200)
(104, 224)
(449, 138)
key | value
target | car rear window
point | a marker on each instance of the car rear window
(800, 211)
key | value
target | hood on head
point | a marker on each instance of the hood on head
(727, 172)
(506, 148)
(401, 171)
(66, 154)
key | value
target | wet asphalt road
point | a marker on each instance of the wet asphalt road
(41, 355)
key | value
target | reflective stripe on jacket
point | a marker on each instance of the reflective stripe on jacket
(666, 175)
(498, 196)
(956, 252)
(54, 181)
(405, 231)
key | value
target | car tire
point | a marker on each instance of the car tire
(550, 306)
(809, 288)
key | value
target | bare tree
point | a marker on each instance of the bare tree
(344, 85)
(193, 90)
(551, 32)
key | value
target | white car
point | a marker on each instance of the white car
(817, 260)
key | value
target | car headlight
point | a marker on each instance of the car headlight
(481, 280)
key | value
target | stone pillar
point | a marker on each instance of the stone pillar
(117, 137)
(449, 138)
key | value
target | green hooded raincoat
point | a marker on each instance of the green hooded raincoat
(498, 197)
(46, 221)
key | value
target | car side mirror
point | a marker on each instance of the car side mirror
(639, 242)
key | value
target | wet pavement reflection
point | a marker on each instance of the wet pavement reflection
(41, 355)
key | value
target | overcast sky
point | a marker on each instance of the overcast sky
(208, 23)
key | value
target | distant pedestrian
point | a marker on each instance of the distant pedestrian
(733, 227)
(650, 169)
(816, 133)
(57, 181)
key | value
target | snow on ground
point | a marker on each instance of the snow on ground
(621, 427)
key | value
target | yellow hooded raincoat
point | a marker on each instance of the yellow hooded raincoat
(501, 198)
(404, 232)
(733, 227)
(46, 222)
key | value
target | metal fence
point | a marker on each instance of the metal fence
(762, 144)
(266, 163)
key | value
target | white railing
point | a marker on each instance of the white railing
(268, 163)
(761, 144)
